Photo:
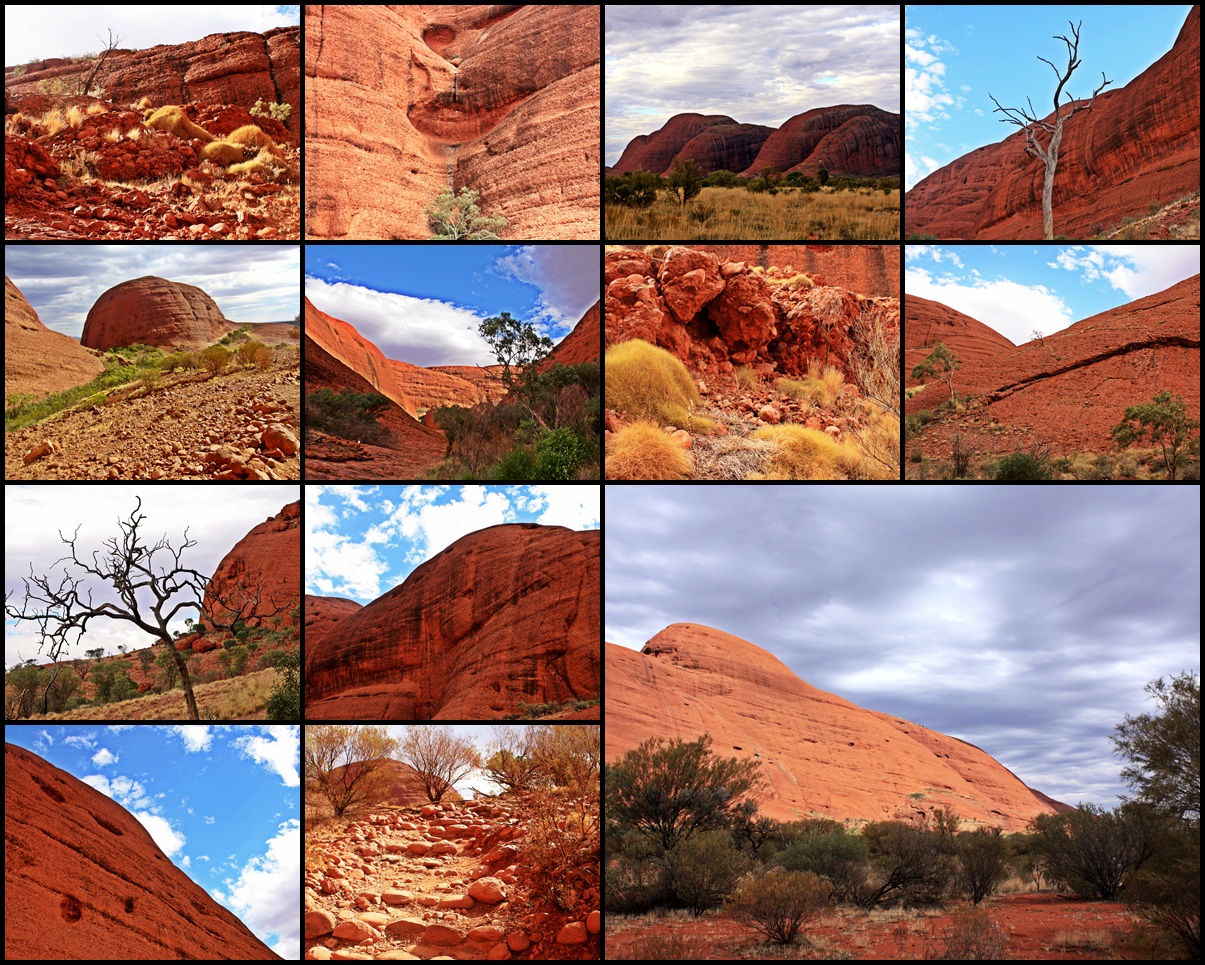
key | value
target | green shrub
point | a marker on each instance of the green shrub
(779, 904)
(215, 358)
(559, 452)
(347, 414)
(636, 189)
(839, 858)
(1022, 465)
(704, 870)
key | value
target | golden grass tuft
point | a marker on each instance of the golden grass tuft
(644, 451)
(745, 376)
(173, 120)
(97, 108)
(250, 136)
(75, 117)
(144, 103)
(223, 153)
(648, 382)
(54, 121)
(113, 136)
(269, 166)
(807, 454)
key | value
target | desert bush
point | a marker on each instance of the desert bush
(648, 382)
(838, 857)
(981, 865)
(1022, 465)
(1090, 849)
(973, 936)
(112, 682)
(637, 878)
(911, 864)
(644, 451)
(636, 189)
(347, 414)
(705, 869)
(215, 358)
(247, 352)
(746, 376)
(779, 904)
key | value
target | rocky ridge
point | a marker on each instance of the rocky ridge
(820, 756)
(1139, 146)
(83, 879)
(507, 614)
(438, 881)
(36, 359)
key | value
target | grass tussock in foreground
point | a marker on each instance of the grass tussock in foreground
(735, 214)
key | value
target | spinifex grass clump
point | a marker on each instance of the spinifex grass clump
(648, 382)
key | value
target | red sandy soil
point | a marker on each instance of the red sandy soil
(1039, 926)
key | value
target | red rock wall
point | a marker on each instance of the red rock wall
(507, 614)
(855, 139)
(84, 880)
(655, 152)
(264, 564)
(154, 311)
(1139, 145)
(36, 359)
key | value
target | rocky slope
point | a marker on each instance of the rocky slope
(928, 322)
(154, 311)
(1139, 146)
(859, 140)
(449, 880)
(84, 880)
(418, 97)
(503, 615)
(870, 269)
(820, 756)
(1069, 389)
(36, 359)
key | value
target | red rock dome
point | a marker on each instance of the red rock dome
(154, 311)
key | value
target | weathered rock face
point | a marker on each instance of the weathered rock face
(430, 388)
(37, 360)
(224, 68)
(869, 269)
(715, 314)
(323, 612)
(584, 343)
(416, 97)
(503, 615)
(855, 139)
(263, 571)
(725, 147)
(83, 878)
(655, 152)
(154, 311)
(1140, 144)
(819, 754)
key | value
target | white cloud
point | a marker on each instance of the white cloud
(576, 507)
(566, 276)
(103, 757)
(1012, 309)
(208, 820)
(170, 840)
(83, 741)
(926, 98)
(1136, 270)
(196, 737)
(278, 749)
(186, 862)
(264, 895)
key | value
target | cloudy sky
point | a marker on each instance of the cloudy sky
(1024, 619)
(955, 56)
(244, 848)
(1017, 288)
(250, 283)
(757, 64)
(422, 304)
(82, 30)
(217, 517)
(362, 541)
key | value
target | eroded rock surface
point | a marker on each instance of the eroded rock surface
(154, 311)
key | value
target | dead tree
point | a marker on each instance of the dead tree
(86, 83)
(1029, 123)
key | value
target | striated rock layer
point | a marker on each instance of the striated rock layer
(656, 152)
(84, 880)
(1139, 145)
(820, 756)
(504, 99)
(507, 614)
(855, 139)
(869, 269)
(36, 359)
(154, 311)
(584, 343)
(323, 612)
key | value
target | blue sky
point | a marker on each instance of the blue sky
(1017, 288)
(250, 283)
(422, 303)
(756, 63)
(954, 56)
(221, 801)
(26, 37)
(362, 541)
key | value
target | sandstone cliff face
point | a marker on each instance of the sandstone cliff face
(715, 314)
(869, 269)
(263, 571)
(416, 97)
(507, 614)
(323, 612)
(725, 147)
(83, 879)
(36, 359)
(1140, 144)
(855, 139)
(584, 343)
(928, 322)
(154, 311)
(225, 68)
(430, 388)
(819, 754)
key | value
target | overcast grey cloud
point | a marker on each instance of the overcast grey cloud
(216, 517)
(757, 64)
(1024, 619)
(250, 283)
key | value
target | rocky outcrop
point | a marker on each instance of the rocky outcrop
(725, 147)
(655, 152)
(503, 615)
(584, 343)
(860, 140)
(84, 880)
(430, 388)
(261, 575)
(36, 359)
(1069, 389)
(715, 314)
(1139, 145)
(154, 311)
(819, 755)
(416, 97)
(236, 68)
(869, 269)
(928, 322)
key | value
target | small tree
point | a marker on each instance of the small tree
(1028, 121)
(980, 863)
(1091, 849)
(344, 763)
(1163, 422)
(454, 218)
(284, 703)
(685, 180)
(941, 363)
(85, 85)
(705, 869)
(517, 345)
(1164, 748)
(171, 672)
(112, 682)
(439, 756)
(779, 904)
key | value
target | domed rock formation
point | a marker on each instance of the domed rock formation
(655, 152)
(323, 612)
(503, 615)
(262, 574)
(84, 880)
(36, 359)
(860, 140)
(820, 755)
(1139, 145)
(583, 344)
(725, 147)
(154, 311)
(929, 322)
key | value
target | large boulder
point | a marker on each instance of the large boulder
(154, 311)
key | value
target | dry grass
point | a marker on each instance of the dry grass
(644, 451)
(734, 214)
(241, 698)
(1095, 939)
(808, 454)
